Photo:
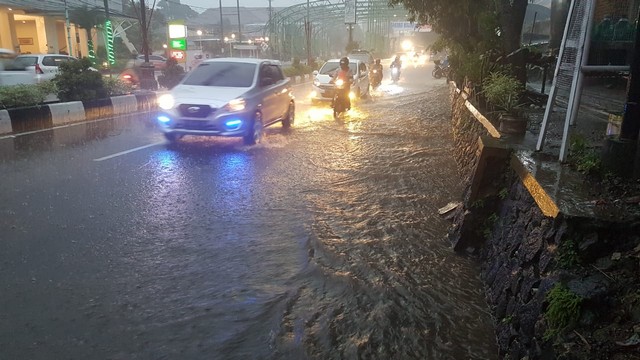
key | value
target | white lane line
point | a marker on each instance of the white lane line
(129, 151)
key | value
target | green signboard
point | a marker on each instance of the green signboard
(179, 44)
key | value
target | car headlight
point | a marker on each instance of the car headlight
(316, 82)
(236, 105)
(166, 101)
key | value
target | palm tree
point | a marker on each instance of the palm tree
(87, 19)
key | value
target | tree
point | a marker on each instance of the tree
(471, 28)
(173, 10)
(87, 19)
(157, 26)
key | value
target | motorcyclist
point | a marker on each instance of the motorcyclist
(445, 62)
(344, 73)
(397, 63)
(377, 66)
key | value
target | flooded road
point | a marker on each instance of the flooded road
(323, 242)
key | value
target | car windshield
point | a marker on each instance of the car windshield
(225, 74)
(22, 61)
(362, 57)
(330, 67)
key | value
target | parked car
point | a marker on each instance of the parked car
(228, 97)
(12, 73)
(43, 66)
(159, 62)
(362, 55)
(323, 89)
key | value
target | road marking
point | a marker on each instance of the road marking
(129, 151)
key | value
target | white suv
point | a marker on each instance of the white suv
(323, 89)
(43, 66)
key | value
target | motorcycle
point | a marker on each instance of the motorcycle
(341, 102)
(376, 78)
(395, 74)
(440, 70)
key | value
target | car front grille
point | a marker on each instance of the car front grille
(196, 125)
(195, 111)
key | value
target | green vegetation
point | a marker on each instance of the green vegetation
(77, 81)
(563, 310)
(297, 68)
(488, 225)
(583, 158)
(25, 95)
(503, 193)
(116, 86)
(568, 254)
(172, 74)
(502, 91)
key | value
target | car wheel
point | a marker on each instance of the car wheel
(171, 137)
(290, 117)
(254, 135)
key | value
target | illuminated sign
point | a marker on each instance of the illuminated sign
(177, 31)
(179, 55)
(178, 44)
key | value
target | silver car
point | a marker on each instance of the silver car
(228, 97)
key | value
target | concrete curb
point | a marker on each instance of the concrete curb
(15, 121)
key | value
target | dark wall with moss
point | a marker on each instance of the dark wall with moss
(563, 287)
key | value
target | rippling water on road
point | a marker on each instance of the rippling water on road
(381, 281)
(322, 243)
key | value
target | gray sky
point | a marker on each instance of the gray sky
(201, 5)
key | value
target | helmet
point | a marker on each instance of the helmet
(344, 62)
(377, 61)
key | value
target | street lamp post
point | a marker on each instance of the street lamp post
(199, 32)
(233, 39)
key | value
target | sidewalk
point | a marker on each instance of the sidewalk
(600, 99)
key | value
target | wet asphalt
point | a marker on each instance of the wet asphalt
(323, 242)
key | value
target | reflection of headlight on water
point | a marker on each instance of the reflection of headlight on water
(313, 94)
(352, 95)
(391, 89)
(320, 113)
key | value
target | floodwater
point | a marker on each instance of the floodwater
(324, 242)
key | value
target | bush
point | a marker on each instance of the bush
(297, 71)
(116, 86)
(502, 91)
(171, 75)
(562, 312)
(25, 95)
(77, 81)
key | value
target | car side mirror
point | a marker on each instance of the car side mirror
(266, 81)
(315, 72)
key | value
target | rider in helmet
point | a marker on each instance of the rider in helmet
(397, 63)
(376, 70)
(345, 73)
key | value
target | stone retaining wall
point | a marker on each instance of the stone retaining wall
(527, 245)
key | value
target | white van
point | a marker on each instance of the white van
(324, 90)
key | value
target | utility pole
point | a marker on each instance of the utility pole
(148, 79)
(631, 120)
(630, 127)
(239, 25)
(221, 22)
(307, 33)
(111, 59)
(66, 17)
